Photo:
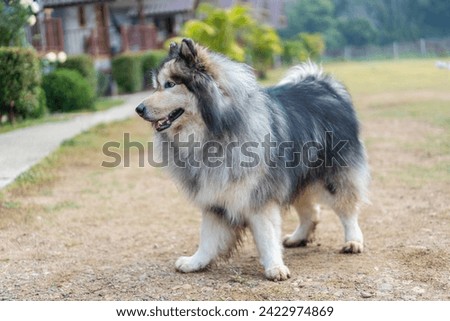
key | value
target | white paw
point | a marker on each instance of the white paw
(278, 273)
(187, 264)
(291, 241)
(352, 247)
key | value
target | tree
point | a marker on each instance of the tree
(235, 33)
(311, 16)
(313, 45)
(14, 15)
(405, 20)
(362, 22)
(357, 32)
(303, 47)
(436, 17)
(20, 80)
(220, 30)
(315, 16)
(263, 44)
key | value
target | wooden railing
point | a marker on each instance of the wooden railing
(54, 34)
(47, 36)
(50, 36)
(98, 42)
(139, 37)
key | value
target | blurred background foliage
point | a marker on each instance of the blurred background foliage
(236, 34)
(363, 22)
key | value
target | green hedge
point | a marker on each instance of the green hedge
(131, 71)
(67, 90)
(103, 83)
(20, 80)
(127, 72)
(150, 61)
(84, 65)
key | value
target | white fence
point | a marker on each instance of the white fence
(419, 48)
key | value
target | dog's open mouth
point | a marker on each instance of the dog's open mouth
(165, 122)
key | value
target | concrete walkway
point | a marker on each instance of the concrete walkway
(22, 148)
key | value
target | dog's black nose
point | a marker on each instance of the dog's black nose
(140, 109)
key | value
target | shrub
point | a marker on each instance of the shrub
(127, 72)
(67, 90)
(303, 47)
(14, 15)
(290, 51)
(221, 30)
(263, 45)
(42, 106)
(313, 45)
(103, 83)
(84, 65)
(151, 60)
(20, 80)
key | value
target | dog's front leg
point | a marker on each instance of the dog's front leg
(266, 230)
(217, 238)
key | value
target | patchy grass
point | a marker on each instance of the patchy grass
(417, 175)
(41, 178)
(11, 205)
(436, 113)
(106, 103)
(390, 75)
(62, 206)
(431, 151)
(80, 150)
(37, 176)
(373, 77)
(83, 155)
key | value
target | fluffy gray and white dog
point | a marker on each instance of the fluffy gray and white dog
(243, 154)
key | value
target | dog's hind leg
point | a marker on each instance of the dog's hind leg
(308, 213)
(217, 237)
(353, 235)
(266, 230)
(347, 210)
(351, 192)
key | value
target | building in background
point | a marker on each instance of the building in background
(73, 26)
(162, 18)
(103, 28)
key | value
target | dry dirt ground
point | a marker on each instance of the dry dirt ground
(73, 230)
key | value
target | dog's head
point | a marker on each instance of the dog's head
(182, 77)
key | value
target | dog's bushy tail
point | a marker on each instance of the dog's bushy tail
(311, 72)
(300, 73)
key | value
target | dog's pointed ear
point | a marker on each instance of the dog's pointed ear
(173, 49)
(188, 52)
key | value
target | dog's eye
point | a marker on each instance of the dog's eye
(169, 84)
